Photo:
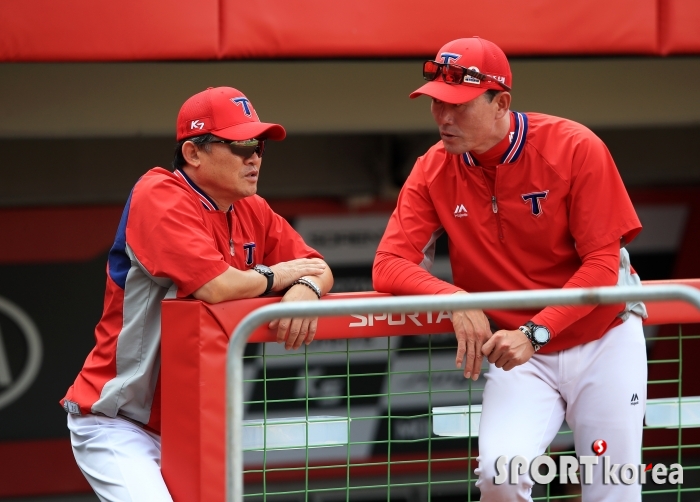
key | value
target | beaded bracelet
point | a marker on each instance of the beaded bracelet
(309, 284)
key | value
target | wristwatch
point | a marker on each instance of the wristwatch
(538, 335)
(269, 275)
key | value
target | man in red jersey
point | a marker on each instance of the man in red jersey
(528, 201)
(197, 231)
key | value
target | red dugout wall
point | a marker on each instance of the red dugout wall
(194, 346)
(81, 30)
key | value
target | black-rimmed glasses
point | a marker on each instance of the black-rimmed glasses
(245, 148)
(455, 74)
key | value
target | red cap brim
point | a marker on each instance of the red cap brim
(454, 94)
(249, 130)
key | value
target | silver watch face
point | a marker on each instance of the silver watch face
(263, 269)
(541, 335)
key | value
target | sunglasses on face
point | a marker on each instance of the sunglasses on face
(455, 74)
(245, 148)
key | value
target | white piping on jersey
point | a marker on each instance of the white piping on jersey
(513, 151)
(203, 197)
(130, 392)
(429, 250)
(206, 201)
(469, 159)
(518, 138)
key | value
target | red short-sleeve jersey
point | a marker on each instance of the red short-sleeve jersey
(171, 240)
(557, 196)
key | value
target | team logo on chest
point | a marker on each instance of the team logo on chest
(535, 200)
(249, 251)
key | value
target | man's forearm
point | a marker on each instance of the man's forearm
(323, 281)
(236, 284)
(398, 276)
(233, 284)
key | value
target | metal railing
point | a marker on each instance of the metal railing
(405, 304)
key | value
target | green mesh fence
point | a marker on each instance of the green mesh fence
(678, 441)
(364, 419)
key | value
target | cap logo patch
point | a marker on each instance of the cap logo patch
(244, 103)
(449, 57)
(196, 124)
(471, 80)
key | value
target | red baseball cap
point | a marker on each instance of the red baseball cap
(474, 53)
(226, 113)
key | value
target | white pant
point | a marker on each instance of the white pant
(120, 460)
(592, 386)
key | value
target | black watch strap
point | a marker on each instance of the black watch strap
(529, 329)
(269, 275)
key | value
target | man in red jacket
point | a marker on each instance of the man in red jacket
(197, 231)
(528, 201)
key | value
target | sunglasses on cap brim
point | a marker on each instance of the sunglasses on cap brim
(455, 75)
(244, 148)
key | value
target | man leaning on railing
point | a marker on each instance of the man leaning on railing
(528, 201)
(201, 231)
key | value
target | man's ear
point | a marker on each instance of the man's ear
(190, 153)
(502, 100)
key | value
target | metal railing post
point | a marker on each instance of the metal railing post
(403, 304)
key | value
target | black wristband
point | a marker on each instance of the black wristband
(267, 272)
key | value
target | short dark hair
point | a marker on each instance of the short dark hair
(490, 94)
(200, 141)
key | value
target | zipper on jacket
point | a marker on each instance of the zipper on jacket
(494, 203)
(494, 206)
(230, 232)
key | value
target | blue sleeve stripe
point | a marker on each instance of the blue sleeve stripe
(119, 262)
